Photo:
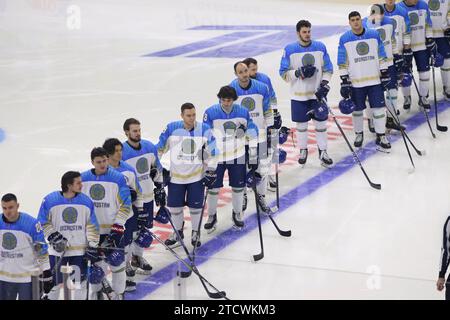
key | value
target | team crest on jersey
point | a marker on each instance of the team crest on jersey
(229, 125)
(362, 48)
(188, 146)
(249, 103)
(9, 241)
(308, 60)
(70, 215)
(382, 34)
(97, 192)
(142, 165)
(434, 5)
(413, 18)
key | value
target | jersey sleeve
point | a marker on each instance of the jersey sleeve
(40, 246)
(163, 143)
(428, 24)
(407, 31)
(124, 200)
(445, 249)
(92, 228)
(342, 58)
(207, 119)
(393, 40)
(158, 166)
(139, 202)
(286, 72)
(251, 132)
(211, 148)
(327, 70)
(273, 97)
(44, 219)
(381, 53)
(267, 109)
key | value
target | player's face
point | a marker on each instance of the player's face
(304, 34)
(10, 210)
(188, 117)
(134, 134)
(252, 70)
(76, 186)
(390, 2)
(226, 103)
(242, 73)
(117, 156)
(100, 164)
(355, 23)
(411, 2)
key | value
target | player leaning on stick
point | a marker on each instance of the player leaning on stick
(363, 68)
(70, 226)
(307, 67)
(445, 259)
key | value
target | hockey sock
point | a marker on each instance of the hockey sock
(195, 217)
(237, 199)
(391, 101)
(368, 112)
(177, 217)
(445, 74)
(213, 198)
(118, 278)
(379, 120)
(80, 292)
(137, 250)
(302, 134)
(262, 186)
(358, 121)
(406, 91)
(424, 83)
(321, 134)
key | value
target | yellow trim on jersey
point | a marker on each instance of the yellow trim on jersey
(15, 275)
(105, 226)
(224, 155)
(365, 79)
(304, 94)
(186, 176)
(417, 44)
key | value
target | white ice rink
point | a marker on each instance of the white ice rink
(72, 71)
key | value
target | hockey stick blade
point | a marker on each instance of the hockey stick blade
(284, 233)
(441, 128)
(375, 185)
(257, 257)
(217, 295)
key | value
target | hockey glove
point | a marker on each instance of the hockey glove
(142, 218)
(160, 195)
(277, 122)
(323, 90)
(398, 62)
(92, 254)
(431, 46)
(407, 58)
(447, 34)
(385, 78)
(305, 72)
(346, 87)
(57, 241)
(209, 178)
(46, 280)
(115, 236)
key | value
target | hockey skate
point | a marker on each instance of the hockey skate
(195, 238)
(211, 225)
(359, 139)
(238, 224)
(392, 125)
(325, 159)
(303, 157)
(383, 144)
(424, 104)
(138, 262)
(407, 103)
(173, 241)
(130, 286)
(263, 205)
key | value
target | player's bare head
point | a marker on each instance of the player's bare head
(354, 20)
(99, 159)
(390, 3)
(376, 13)
(252, 66)
(188, 113)
(10, 206)
(71, 181)
(303, 28)
(241, 71)
(132, 128)
(114, 148)
(411, 2)
(227, 95)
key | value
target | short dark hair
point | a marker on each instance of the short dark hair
(9, 197)
(354, 14)
(98, 152)
(110, 145)
(187, 106)
(302, 24)
(68, 178)
(250, 61)
(227, 92)
(129, 122)
(236, 64)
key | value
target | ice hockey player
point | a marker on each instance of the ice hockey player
(192, 149)
(307, 67)
(445, 259)
(142, 155)
(361, 60)
(23, 249)
(109, 191)
(70, 226)
(233, 128)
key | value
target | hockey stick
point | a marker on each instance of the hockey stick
(259, 256)
(355, 156)
(278, 187)
(397, 122)
(199, 225)
(423, 109)
(438, 126)
(214, 295)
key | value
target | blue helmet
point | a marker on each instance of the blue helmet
(162, 216)
(438, 60)
(347, 106)
(406, 81)
(283, 135)
(250, 181)
(95, 274)
(144, 239)
(320, 111)
(282, 155)
(115, 257)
